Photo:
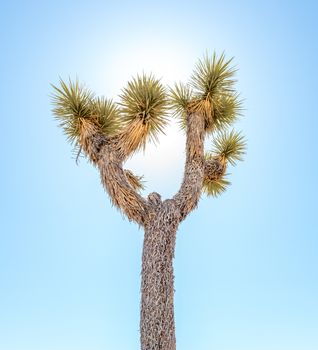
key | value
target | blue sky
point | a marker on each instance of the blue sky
(246, 263)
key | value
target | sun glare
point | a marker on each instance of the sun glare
(161, 164)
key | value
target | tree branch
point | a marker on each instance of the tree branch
(214, 168)
(188, 196)
(107, 154)
(131, 139)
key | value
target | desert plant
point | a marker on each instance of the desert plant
(108, 133)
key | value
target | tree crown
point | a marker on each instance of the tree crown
(143, 112)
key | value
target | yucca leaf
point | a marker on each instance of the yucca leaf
(180, 97)
(74, 103)
(213, 76)
(144, 98)
(71, 103)
(210, 93)
(214, 96)
(226, 110)
(230, 146)
(215, 187)
(107, 115)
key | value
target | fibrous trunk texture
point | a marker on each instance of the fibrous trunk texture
(159, 219)
(108, 155)
(157, 327)
(188, 196)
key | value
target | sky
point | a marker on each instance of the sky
(246, 263)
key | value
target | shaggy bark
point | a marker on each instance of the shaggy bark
(189, 194)
(214, 168)
(107, 154)
(157, 327)
(159, 219)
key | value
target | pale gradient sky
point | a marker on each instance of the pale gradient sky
(246, 263)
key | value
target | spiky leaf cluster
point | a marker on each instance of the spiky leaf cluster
(213, 76)
(210, 93)
(215, 187)
(144, 99)
(214, 182)
(179, 98)
(226, 110)
(107, 115)
(72, 103)
(230, 146)
(75, 103)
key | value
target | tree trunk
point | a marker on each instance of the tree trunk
(157, 328)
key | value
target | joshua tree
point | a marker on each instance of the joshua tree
(109, 133)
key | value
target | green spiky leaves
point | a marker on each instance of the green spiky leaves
(179, 98)
(140, 115)
(213, 76)
(210, 93)
(215, 187)
(144, 99)
(214, 182)
(107, 114)
(225, 112)
(74, 103)
(230, 146)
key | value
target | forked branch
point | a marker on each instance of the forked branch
(109, 133)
